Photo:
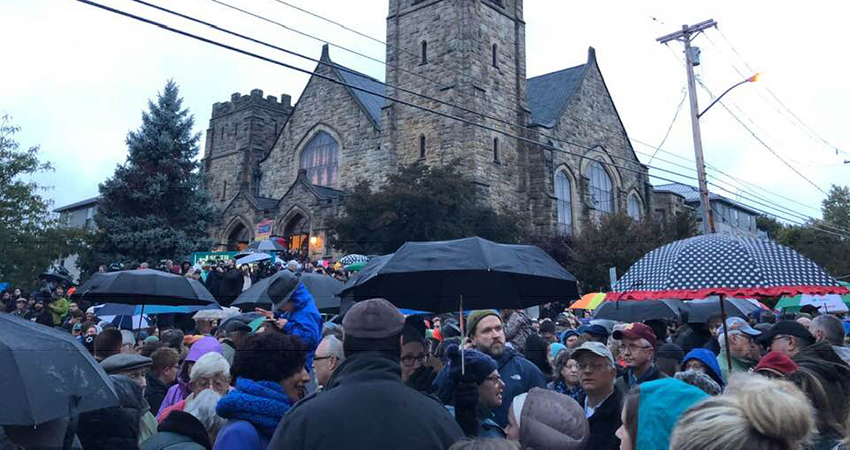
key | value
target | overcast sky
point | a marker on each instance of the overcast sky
(76, 78)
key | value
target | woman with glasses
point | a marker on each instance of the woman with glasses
(476, 390)
(211, 371)
(566, 376)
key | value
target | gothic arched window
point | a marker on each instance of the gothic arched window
(320, 158)
(633, 207)
(564, 196)
(601, 190)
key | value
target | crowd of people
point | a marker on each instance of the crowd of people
(509, 381)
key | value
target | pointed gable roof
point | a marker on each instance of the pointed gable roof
(549, 94)
(370, 103)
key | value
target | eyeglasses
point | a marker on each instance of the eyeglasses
(593, 366)
(495, 379)
(411, 360)
(694, 365)
(633, 348)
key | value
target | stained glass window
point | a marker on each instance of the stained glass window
(321, 160)
(601, 190)
(564, 195)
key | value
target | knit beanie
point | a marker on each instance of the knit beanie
(476, 316)
(477, 364)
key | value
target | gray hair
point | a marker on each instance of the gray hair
(209, 366)
(334, 347)
(203, 408)
(831, 327)
(292, 265)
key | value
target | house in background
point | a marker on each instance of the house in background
(730, 216)
(76, 215)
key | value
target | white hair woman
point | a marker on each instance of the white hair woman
(754, 413)
(211, 371)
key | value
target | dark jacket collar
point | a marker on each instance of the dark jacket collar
(365, 366)
(185, 424)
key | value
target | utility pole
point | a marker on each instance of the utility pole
(686, 35)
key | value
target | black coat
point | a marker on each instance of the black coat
(116, 427)
(179, 431)
(230, 287)
(42, 317)
(213, 282)
(155, 392)
(832, 372)
(366, 406)
(604, 422)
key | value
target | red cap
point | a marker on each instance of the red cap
(636, 331)
(777, 363)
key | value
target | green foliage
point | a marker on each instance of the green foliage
(616, 240)
(152, 208)
(31, 236)
(419, 203)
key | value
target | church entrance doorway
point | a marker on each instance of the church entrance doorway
(238, 239)
(296, 233)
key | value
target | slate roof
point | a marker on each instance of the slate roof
(265, 203)
(328, 192)
(370, 103)
(86, 202)
(548, 94)
(691, 195)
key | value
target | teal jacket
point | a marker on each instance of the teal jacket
(662, 402)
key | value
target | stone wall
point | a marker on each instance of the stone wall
(590, 127)
(329, 107)
(458, 69)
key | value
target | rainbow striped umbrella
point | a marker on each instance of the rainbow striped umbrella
(589, 301)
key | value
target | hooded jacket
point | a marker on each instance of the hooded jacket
(304, 321)
(832, 372)
(180, 390)
(662, 402)
(551, 421)
(518, 374)
(366, 406)
(706, 357)
(180, 431)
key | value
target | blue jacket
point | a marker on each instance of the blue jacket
(304, 321)
(518, 374)
(239, 435)
(706, 357)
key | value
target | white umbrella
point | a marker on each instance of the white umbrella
(254, 257)
(825, 303)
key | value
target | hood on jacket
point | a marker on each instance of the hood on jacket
(550, 420)
(706, 357)
(662, 402)
(185, 424)
(203, 346)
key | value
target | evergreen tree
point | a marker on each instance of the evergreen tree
(152, 208)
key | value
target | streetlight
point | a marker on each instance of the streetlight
(751, 79)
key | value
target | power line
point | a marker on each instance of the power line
(775, 97)
(672, 122)
(378, 94)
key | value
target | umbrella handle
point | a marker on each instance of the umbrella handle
(725, 332)
(463, 337)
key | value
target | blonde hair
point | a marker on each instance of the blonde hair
(754, 413)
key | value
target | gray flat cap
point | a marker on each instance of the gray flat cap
(124, 362)
(373, 319)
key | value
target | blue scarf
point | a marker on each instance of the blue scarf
(262, 403)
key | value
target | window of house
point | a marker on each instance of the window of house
(735, 217)
(495, 150)
(320, 158)
(633, 207)
(564, 200)
(495, 55)
(424, 56)
(601, 190)
(422, 146)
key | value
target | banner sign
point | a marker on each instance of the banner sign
(263, 230)
(200, 259)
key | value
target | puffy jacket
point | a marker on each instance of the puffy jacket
(518, 374)
(304, 321)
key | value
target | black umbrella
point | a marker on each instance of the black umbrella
(472, 272)
(144, 287)
(639, 310)
(46, 374)
(58, 278)
(324, 289)
(270, 291)
(699, 311)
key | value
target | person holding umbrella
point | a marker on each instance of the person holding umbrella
(487, 335)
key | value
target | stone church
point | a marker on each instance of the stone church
(267, 159)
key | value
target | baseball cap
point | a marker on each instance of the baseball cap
(788, 328)
(777, 363)
(739, 324)
(596, 348)
(596, 330)
(636, 331)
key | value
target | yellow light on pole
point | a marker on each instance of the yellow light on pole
(754, 78)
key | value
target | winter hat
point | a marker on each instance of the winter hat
(551, 421)
(476, 316)
(373, 319)
(671, 351)
(477, 364)
(596, 330)
(555, 349)
(151, 339)
(662, 402)
(700, 380)
(449, 329)
(776, 363)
